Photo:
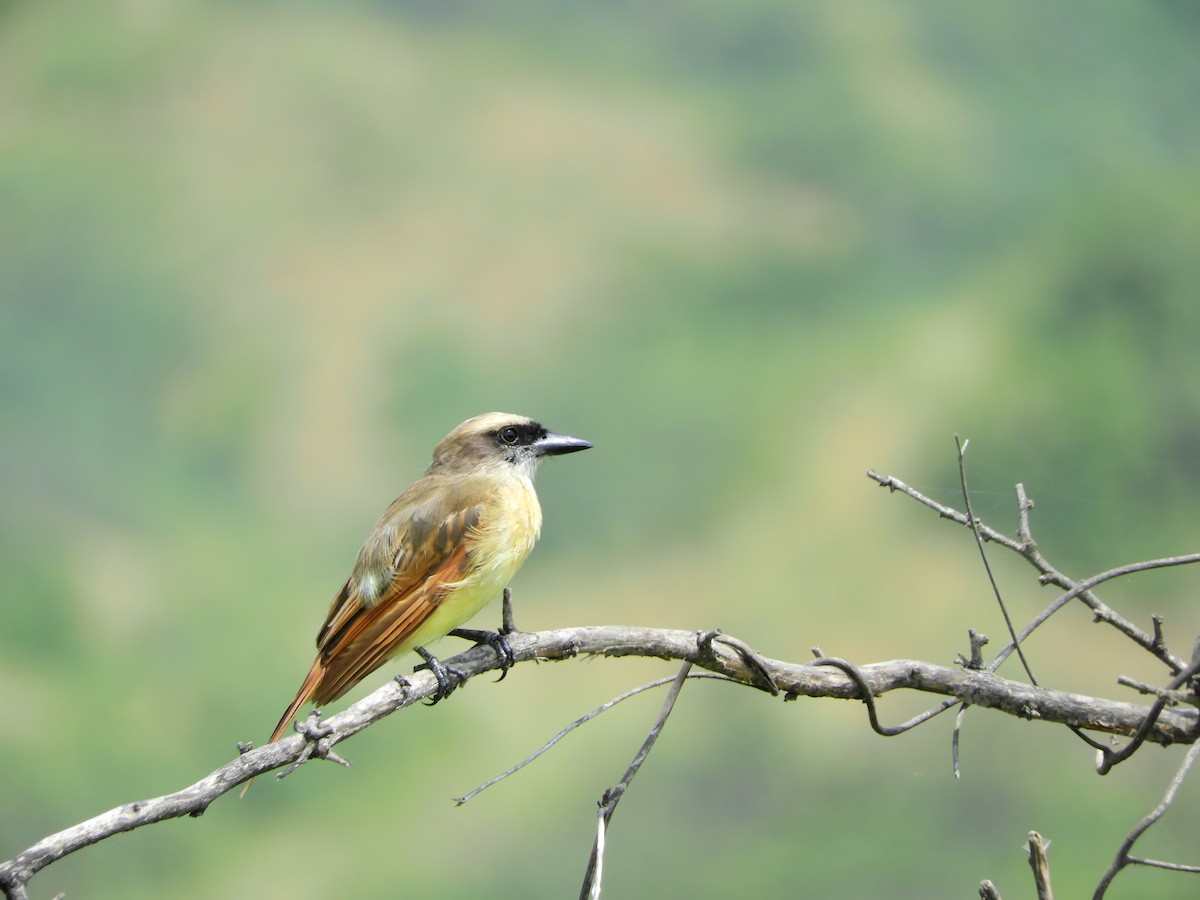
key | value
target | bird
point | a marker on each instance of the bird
(440, 552)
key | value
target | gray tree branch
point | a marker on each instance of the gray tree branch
(793, 679)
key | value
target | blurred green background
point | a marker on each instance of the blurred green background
(257, 258)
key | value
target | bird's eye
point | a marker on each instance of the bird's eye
(509, 435)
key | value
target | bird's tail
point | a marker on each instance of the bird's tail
(307, 689)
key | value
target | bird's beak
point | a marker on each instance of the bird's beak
(558, 444)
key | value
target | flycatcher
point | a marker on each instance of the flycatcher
(443, 549)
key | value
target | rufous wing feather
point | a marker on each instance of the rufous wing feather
(314, 678)
(379, 632)
(315, 674)
(356, 638)
(431, 556)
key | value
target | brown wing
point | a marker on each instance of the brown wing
(418, 547)
(357, 637)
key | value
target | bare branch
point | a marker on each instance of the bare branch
(1173, 698)
(1082, 590)
(1160, 864)
(1109, 758)
(608, 804)
(1048, 574)
(946, 512)
(724, 657)
(1123, 858)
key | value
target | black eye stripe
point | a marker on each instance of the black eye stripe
(519, 435)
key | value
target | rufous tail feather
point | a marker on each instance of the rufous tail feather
(307, 689)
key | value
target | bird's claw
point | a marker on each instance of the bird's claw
(447, 678)
(498, 641)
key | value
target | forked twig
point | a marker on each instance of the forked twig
(1183, 673)
(1082, 590)
(1048, 574)
(1122, 859)
(1027, 547)
(1109, 758)
(608, 803)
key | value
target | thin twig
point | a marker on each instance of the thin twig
(1174, 698)
(602, 708)
(1153, 643)
(1110, 758)
(1123, 858)
(1083, 588)
(854, 673)
(946, 512)
(1028, 549)
(596, 862)
(954, 739)
(608, 803)
(976, 651)
(1103, 613)
(1024, 505)
(1161, 864)
(987, 567)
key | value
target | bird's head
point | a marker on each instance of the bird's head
(501, 439)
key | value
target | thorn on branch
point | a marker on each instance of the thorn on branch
(884, 481)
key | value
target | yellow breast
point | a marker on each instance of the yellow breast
(500, 546)
(514, 521)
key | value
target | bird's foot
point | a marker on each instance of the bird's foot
(447, 678)
(498, 641)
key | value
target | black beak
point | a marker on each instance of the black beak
(557, 444)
